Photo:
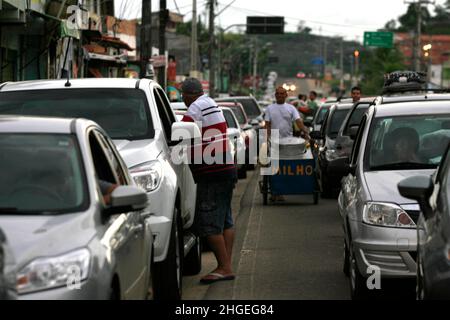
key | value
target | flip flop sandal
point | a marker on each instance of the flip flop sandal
(217, 277)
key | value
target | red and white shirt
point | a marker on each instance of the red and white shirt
(215, 145)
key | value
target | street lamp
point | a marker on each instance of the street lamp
(427, 54)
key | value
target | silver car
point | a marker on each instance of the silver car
(71, 237)
(7, 274)
(393, 143)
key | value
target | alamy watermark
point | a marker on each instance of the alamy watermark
(77, 18)
(74, 278)
(216, 147)
(374, 280)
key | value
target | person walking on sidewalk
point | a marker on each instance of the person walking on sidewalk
(215, 179)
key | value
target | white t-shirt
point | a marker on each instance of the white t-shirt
(282, 117)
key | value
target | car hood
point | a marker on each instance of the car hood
(382, 185)
(138, 152)
(31, 237)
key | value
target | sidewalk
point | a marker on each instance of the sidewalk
(192, 289)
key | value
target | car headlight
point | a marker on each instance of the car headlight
(148, 175)
(387, 215)
(47, 273)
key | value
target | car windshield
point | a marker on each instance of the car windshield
(240, 116)
(336, 120)
(123, 113)
(408, 142)
(44, 174)
(231, 123)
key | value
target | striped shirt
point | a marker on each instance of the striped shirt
(216, 162)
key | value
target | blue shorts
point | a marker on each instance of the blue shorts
(213, 214)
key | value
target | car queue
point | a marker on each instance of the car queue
(399, 138)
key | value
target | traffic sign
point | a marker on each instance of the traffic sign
(265, 25)
(379, 39)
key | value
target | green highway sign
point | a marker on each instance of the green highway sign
(379, 39)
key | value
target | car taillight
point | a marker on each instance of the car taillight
(247, 141)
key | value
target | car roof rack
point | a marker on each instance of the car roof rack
(404, 81)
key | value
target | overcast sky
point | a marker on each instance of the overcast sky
(348, 18)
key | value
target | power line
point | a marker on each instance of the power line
(297, 19)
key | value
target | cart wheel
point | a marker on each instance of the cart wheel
(316, 198)
(265, 190)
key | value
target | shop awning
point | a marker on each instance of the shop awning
(108, 41)
(121, 59)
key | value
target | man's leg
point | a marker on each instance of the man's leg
(218, 246)
(228, 236)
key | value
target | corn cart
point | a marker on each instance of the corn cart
(290, 170)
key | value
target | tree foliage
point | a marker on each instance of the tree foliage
(377, 63)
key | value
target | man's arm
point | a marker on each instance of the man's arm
(303, 128)
(268, 128)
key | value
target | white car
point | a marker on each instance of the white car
(138, 117)
(237, 136)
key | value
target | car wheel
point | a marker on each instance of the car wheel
(193, 261)
(168, 274)
(346, 264)
(358, 286)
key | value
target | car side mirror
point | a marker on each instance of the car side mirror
(127, 198)
(184, 131)
(353, 132)
(316, 135)
(247, 127)
(254, 122)
(418, 188)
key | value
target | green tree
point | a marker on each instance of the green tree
(376, 64)
(408, 21)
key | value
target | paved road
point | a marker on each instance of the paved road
(287, 251)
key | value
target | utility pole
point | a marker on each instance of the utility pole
(163, 16)
(194, 37)
(146, 36)
(341, 65)
(418, 36)
(255, 67)
(417, 52)
(212, 74)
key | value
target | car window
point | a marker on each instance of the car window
(113, 159)
(408, 142)
(231, 123)
(44, 174)
(358, 141)
(444, 166)
(164, 115)
(335, 122)
(102, 165)
(355, 117)
(123, 113)
(320, 116)
(239, 115)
